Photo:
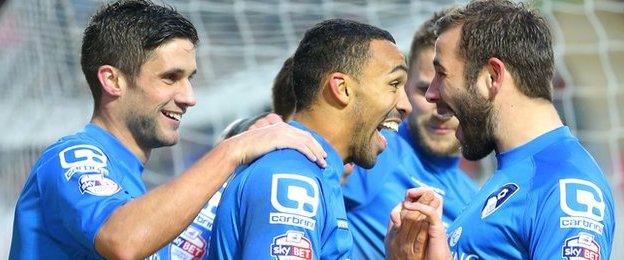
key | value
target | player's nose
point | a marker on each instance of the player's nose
(433, 91)
(403, 105)
(186, 96)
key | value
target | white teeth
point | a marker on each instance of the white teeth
(175, 116)
(394, 126)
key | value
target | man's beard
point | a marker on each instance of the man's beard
(476, 119)
(144, 128)
(360, 146)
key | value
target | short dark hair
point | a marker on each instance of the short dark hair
(125, 33)
(335, 45)
(511, 32)
(425, 36)
(284, 101)
(239, 126)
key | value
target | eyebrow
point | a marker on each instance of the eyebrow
(177, 71)
(398, 68)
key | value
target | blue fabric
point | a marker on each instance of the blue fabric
(73, 189)
(547, 200)
(283, 205)
(371, 194)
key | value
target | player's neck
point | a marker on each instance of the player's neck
(329, 126)
(122, 133)
(525, 119)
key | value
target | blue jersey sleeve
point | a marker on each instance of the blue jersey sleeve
(575, 220)
(267, 213)
(279, 215)
(79, 191)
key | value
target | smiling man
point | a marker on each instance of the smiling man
(422, 152)
(347, 78)
(84, 198)
(548, 199)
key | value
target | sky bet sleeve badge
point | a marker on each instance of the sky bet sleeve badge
(497, 198)
(582, 246)
(292, 245)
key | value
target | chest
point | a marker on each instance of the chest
(492, 226)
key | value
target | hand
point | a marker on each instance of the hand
(415, 227)
(407, 236)
(254, 143)
(267, 120)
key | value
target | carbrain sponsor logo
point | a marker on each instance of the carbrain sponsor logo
(82, 158)
(584, 204)
(189, 245)
(296, 198)
(98, 185)
(497, 198)
(291, 246)
(582, 246)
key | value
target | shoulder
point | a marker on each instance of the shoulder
(75, 159)
(566, 160)
(278, 183)
(284, 161)
(75, 152)
(568, 179)
(276, 170)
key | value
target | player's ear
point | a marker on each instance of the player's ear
(496, 75)
(111, 80)
(339, 89)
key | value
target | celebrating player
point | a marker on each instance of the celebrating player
(347, 78)
(548, 198)
(84, 197)
(424, 153)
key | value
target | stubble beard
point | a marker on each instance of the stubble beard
(476, 119)
(360, 145)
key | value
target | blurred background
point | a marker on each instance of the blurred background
(242, 45)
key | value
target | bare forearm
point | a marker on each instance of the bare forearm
(148, 223)
(151, 221)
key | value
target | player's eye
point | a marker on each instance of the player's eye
(170, 78)
(422, 88)
(395, 84)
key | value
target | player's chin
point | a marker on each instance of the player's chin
(367, 157)
(169, 137)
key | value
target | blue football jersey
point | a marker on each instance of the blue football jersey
(283, 206)
(371, 194)
(547, 200)
(73, 188)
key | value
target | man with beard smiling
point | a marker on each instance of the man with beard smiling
(347, 77)
(84, 198)
(422, 152)
(548, 198)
